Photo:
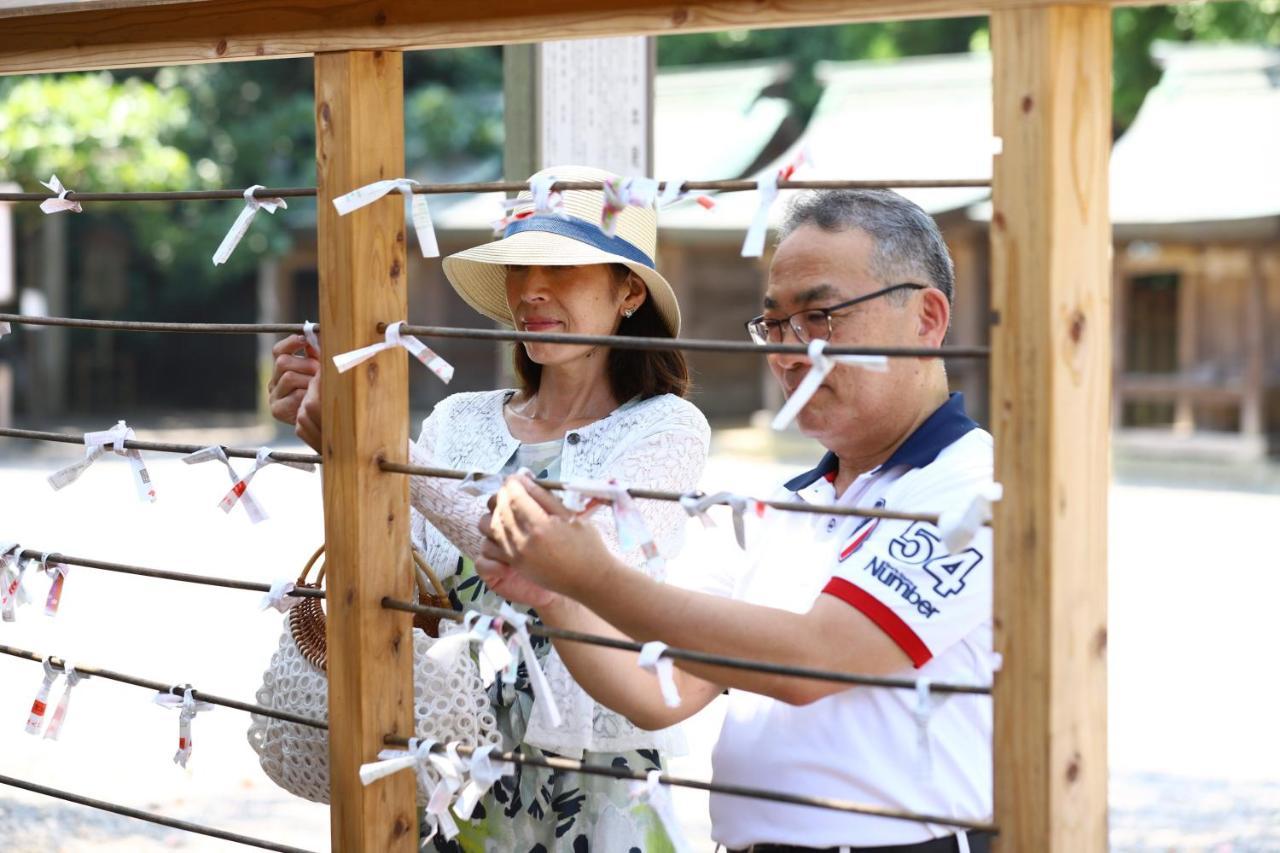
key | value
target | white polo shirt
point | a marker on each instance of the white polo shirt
(863, 744)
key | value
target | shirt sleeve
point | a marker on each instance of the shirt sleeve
(900, 575)
(441, 502)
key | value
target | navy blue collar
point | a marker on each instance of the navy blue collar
(940, 430)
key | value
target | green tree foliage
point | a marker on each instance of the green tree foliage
(92, 130)
(1135, 29)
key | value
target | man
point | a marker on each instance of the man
(844, 593)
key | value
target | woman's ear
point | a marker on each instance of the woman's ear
(637, 292)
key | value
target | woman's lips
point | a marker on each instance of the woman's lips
(540, 325)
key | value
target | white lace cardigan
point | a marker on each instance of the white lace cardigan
(658, 443)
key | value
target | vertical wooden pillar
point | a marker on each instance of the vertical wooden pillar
(360, 139)
(1254, 324)
(1051, 394)
(1189, 289)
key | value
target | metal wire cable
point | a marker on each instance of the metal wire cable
(729, 186)
(456, 474)
(161, 687)
(702, 657)
(685, 344)
(507, 335)
(550, 762)
(158, 446)
(149, 817)
(535, 629)
(160, 574)
(146, 326)
(553, 762)
(658, 495)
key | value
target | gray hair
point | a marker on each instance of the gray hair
(908, 245)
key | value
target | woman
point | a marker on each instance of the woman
(581, 412)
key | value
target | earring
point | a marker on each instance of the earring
(628, 312)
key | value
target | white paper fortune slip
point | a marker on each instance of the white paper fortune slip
(423, 353)
(61, 203)
(620, 193)
(240, 488)
(38, 707)
(209, 454)
(188, 707)
(697, 505)
(653, 793)
(418, 210)
(651, 660)
(582, 495)
(821, 365)
(241, 226)
(95, 444)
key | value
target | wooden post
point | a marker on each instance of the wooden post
(1189, 288)
(1051, 395)
(360, 139)
(1254, 324)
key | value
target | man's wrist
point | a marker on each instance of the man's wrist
(558, 613)
(601, 580)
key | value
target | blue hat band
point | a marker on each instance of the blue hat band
(583, 232)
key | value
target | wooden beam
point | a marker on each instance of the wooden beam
(123, 35)
(360, 139)
(1051, 393)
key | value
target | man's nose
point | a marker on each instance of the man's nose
(789, 361)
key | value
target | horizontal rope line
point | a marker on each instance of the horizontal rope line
(508, 187)
(149, 817)
(160, 574)
(829, 803)
(656, 495)
(507, 335)
(160, 687)
(158, 446)
(453, 474)
(700, 657)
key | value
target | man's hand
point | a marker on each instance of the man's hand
(294, 390)
(532, 534)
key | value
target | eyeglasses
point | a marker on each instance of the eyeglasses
(811, 324)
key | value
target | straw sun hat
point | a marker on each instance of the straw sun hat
(479, 274)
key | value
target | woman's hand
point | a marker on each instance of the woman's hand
(290, 376)
(513, 586)
(307, 427)
(294, 390)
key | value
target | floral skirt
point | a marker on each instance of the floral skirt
(540, 810)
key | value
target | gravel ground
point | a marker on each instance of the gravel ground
(1195, 762)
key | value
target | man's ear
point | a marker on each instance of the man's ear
(934, 317)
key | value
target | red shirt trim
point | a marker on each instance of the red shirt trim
(888, 621)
